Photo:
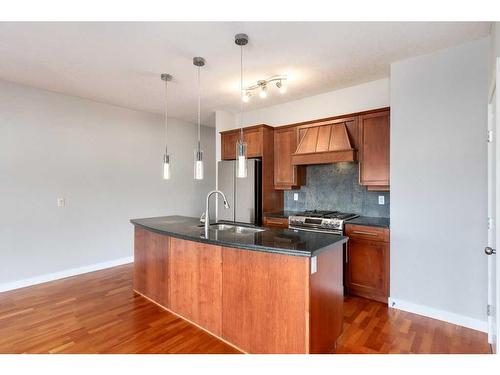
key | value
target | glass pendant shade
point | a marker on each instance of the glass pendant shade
(166, 167)
(198, 164)
(241, 159)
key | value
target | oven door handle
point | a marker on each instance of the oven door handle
(327, 231)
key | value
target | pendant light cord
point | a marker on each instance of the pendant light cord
(241, 93)
(166, 117)
(199, 109)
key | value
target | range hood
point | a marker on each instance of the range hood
(323, 144)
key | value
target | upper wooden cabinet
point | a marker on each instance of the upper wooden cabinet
(260, 144)
(374, 132)
(253, 136)
(286, 175)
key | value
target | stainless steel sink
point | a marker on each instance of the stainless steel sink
(239, 229)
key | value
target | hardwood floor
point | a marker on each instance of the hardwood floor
(95, 313)
(371, 327)
(99, 313)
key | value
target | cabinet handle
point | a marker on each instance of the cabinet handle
(275, 222)
(365, 233)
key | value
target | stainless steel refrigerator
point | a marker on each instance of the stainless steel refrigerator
(244, 195)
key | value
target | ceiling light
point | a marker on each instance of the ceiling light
(241, 146)
(166, 157)
(198, 153)
(246, 97)
(263, 89)
(281, 85)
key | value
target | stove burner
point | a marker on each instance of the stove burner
(316, 213)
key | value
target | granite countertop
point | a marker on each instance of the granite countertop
(281, 241)
(383, 222)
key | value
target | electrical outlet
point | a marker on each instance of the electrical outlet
(61, 202)
(381, 200)
(295, 196)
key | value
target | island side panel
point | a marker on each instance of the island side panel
(151, 273)
(265, 301)
(327, 300)
(196, 283)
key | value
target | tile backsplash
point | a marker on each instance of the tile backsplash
(336, 187)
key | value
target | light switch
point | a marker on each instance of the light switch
(295, 196)
(381, 200)
(61, 202)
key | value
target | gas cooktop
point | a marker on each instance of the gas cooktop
(320, 221)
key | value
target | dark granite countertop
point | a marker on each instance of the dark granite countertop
(282, 241)
(383, 222)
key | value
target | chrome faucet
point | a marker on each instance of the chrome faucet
(207, 214)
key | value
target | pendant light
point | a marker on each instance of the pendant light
(241, 146)
(166, 157)
(198, 153)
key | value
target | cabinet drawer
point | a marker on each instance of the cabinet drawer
(277, 222)
(363, 232)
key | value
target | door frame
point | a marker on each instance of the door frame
(495, 127)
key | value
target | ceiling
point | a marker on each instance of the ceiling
(120, 62)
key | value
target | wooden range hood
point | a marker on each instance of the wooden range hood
(323, 144)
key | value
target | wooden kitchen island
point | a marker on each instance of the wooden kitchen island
(275, 291)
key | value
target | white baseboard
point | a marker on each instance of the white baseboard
(62, 274)
(446, 316)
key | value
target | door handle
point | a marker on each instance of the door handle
(489, 251)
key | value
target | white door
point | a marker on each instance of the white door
(493, 208)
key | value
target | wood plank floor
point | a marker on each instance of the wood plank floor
(99, 313)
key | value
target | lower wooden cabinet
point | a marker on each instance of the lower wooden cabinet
(151, 255)
(367, 266)
(260, 302)
(196, 282)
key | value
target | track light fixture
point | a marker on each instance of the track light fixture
(262, 87)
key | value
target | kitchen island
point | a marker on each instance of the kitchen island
(260, 290)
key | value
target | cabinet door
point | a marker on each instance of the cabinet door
(229, 145)
(368, 269)
(253, 138)
(196, 287)
(265, 301)
(286, 175)
(151, 277)
(374, 150)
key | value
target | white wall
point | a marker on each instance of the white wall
(439, 183)
(371, 95)
(495, 41)
(105, 160)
